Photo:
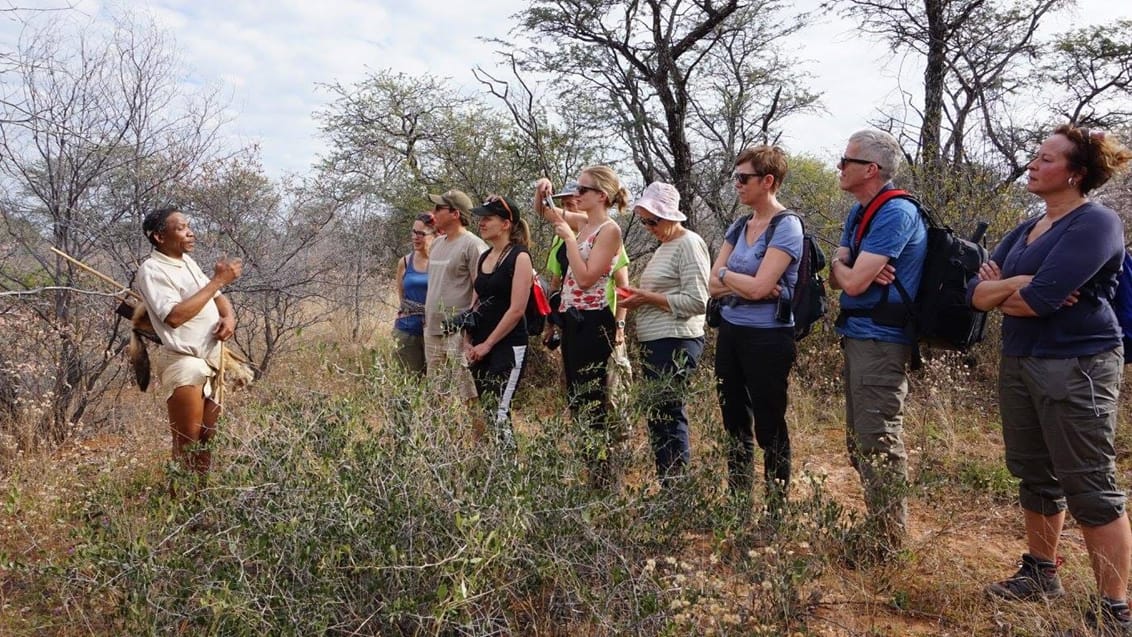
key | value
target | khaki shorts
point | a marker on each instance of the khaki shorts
(444, 357)
(1059, 419)
(174, 369)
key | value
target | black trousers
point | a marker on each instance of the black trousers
(587, 342)
(752, 369)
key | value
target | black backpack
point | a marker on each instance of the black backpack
(808, 302)
(940, 315)
(1122, 304)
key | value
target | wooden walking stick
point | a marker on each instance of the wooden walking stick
(125, 288)
(87, 268)
(219, 399)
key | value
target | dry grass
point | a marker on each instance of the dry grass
(712, 572)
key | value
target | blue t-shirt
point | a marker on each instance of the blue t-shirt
(896, 232)
(415, 285)
(746, 259)
(1081, 251)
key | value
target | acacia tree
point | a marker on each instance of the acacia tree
(96, 130)
(392, 140)
(977, 54)
(991, 87)
(681, 85)
(282, 234)
(1086, 79)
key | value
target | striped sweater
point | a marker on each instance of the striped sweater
(679, 270)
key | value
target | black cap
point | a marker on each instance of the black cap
(499, 206)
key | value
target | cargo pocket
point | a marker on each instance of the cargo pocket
(878, 405)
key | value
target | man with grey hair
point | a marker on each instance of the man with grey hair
(451, 272)
(873, 325)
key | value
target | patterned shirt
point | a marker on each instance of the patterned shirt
(593, 297)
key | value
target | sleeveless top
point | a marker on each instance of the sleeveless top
(415, 285)
(593, 297)
(493, 289)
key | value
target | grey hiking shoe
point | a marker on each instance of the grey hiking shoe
(1035, 580)
(1113, 620)
(1106, 619)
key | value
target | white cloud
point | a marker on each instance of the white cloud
(270, 58)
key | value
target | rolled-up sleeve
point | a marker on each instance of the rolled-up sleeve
(1078, 255)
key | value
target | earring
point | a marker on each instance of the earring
(1072, 182)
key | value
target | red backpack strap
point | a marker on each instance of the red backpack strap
(879, 200)
(539, 295)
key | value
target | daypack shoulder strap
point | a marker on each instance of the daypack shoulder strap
(779, 217)
(879, 200)
(736, 229)
(774, 224)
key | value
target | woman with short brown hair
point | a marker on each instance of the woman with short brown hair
(1054, 277)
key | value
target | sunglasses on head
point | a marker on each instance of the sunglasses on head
(502, 202)
(743, 178)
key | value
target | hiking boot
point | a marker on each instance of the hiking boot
(1114, 619)
(1035, 580)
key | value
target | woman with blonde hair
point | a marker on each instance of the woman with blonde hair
(592, 325)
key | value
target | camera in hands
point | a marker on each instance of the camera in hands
(465, 320)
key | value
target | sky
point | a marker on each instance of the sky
(269, 58)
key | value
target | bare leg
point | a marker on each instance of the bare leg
(208, 430)
(1043, 533)
(186, 423)
(1110, 550)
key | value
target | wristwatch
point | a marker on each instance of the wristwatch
(621, 324)
(720, 274)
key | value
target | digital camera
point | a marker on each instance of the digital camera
(465, 320)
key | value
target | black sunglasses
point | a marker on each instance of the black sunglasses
(420, 233)
(743, 178)
(651, 222)
(853, 160)
(438, 207)
(581, 190)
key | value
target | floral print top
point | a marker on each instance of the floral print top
(593, 297)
